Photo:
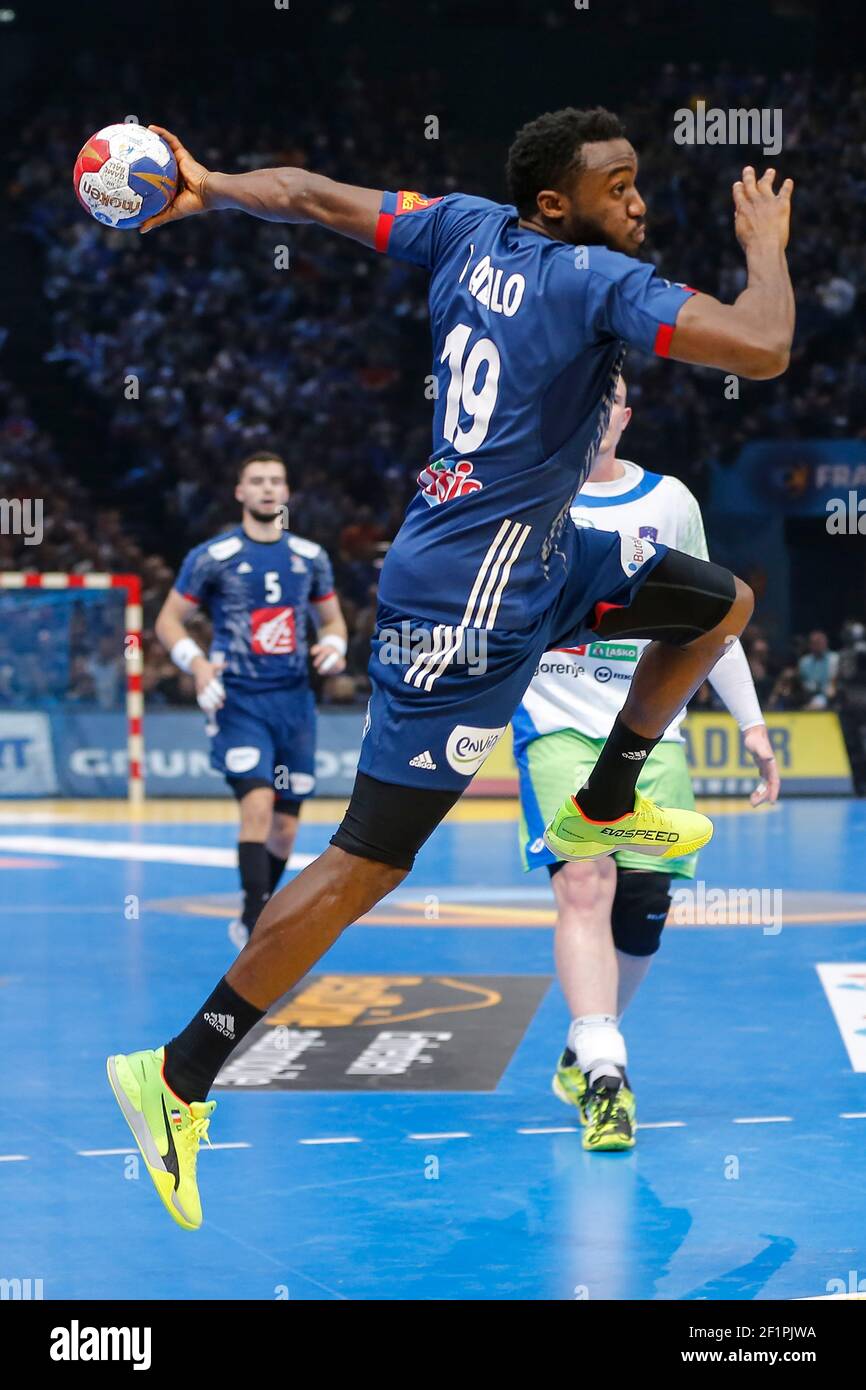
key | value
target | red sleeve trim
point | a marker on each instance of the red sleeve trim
(599, 611)
(662, 344)
(323, 598)
(383, 230)
(665, 333)
(191, 598)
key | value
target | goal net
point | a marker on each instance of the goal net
(70, 662)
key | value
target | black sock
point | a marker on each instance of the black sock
(255, 879)
(194, 1057)
(609, 790)
(276, 866)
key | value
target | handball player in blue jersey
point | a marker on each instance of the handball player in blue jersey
(532, 306)
(259, 584)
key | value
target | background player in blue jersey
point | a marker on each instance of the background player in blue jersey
(532, 306)
(259, 583)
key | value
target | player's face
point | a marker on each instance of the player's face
(620, 414)
(602, 205)
(263, 490)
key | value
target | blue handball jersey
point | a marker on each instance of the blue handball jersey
(529, 335)
(257, 594)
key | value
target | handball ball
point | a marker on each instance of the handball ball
(124, 175)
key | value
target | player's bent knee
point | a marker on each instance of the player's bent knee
(640, 908)
(583, 887)
(744, 603)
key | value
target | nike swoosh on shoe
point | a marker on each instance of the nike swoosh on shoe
(170, 1158)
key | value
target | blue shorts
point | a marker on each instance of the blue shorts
(442, 695)
(268, 737)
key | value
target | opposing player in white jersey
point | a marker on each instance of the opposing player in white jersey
(611, 911)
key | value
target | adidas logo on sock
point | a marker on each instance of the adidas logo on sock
(424, 760)
(636, 755)
(223, 1023)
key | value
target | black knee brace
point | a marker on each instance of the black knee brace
(640, 906)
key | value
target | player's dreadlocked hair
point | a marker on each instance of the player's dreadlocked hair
(544, 151)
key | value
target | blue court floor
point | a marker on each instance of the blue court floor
(747, 1180)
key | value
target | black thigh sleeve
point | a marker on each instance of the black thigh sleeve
(242, 785)
(681, 599)
(640, 906)
(390, 823)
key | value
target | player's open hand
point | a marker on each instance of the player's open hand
(757, 740)
(191, 175)
(760, 215)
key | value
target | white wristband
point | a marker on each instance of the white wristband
(184, 653)
(334, 640)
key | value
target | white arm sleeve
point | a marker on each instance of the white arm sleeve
(732, 681)
(730, 677)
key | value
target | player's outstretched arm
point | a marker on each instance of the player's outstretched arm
(751, 337)
(274, 195)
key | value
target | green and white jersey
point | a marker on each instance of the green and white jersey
(586, 687)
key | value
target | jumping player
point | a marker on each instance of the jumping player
(611, 911)
(531, 308)
(258, 582)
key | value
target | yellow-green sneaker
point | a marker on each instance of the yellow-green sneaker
(662, 832)
(569, 1083)
(166, 1130)
(611, 1116)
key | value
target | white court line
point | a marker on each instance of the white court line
(347, 1139)
(852, 1115)
(106, 1153)
(559, 1129)
(206, 856)
(662, 1124)
(765, 1120)
(455, 1134)
(14, 1158)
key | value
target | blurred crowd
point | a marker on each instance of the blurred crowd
(192, 346)
(807, 675)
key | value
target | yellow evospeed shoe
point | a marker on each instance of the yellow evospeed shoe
(166, 1129)
(662, 832)
(611, 1121)
(569, 1083)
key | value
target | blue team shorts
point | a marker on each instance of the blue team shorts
(443, 695)
(267, 737)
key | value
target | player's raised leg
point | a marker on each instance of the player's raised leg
(693, 610)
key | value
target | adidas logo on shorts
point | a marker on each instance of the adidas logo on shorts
(223, 1023)
(424, 760)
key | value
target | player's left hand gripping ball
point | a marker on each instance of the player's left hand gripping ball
(124, 175)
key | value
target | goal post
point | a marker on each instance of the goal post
(130, 584)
